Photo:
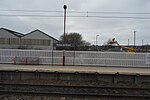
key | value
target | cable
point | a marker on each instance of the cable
(29, 10)
(116, 13)
(72, 11)
(120, 17)
(116, 17)
(31, 15)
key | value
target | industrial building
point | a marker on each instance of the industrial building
(34, 40)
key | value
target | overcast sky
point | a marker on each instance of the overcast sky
(120, 28)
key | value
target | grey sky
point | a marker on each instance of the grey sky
(119, 28)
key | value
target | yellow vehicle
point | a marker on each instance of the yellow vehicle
(128, 49)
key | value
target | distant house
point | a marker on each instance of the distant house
(34, 40)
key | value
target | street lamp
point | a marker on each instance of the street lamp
(128, 41)
(96, 39)
(96, 42)
(65, 7)
(142, 42)
(64, 42)
(134, 38)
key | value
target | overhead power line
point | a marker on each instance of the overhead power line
(77, 14)
(29, 10)
(109, 12)
(116, 17)
(95, 12)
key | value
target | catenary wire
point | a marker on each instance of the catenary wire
(96, 12)
(116, 17)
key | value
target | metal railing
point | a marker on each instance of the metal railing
(84, 58)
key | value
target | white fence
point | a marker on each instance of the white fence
(85, 58)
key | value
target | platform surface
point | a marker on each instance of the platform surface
(72, 69)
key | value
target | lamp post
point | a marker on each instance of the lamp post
(128, 41)
(142, 42)
(64, 42)
(96, 40)
(134, 38)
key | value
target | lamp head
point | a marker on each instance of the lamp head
(65, 7)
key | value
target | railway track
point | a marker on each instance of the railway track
(74, 90)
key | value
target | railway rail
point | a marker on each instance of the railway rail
(74, 90)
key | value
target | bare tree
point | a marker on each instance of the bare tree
(75, 39)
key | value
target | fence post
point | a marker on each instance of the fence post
(52, 57)
(63, 57)
(74, 58)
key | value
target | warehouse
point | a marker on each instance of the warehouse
(34, 40)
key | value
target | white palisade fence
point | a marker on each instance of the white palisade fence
(84, 58)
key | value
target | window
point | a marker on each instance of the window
(11, 41)
(35, 42)
(15, 41)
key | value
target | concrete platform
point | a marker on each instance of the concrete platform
(73, 69)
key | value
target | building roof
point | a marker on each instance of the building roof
(22, 35)
(13, 32)
(42, 33)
